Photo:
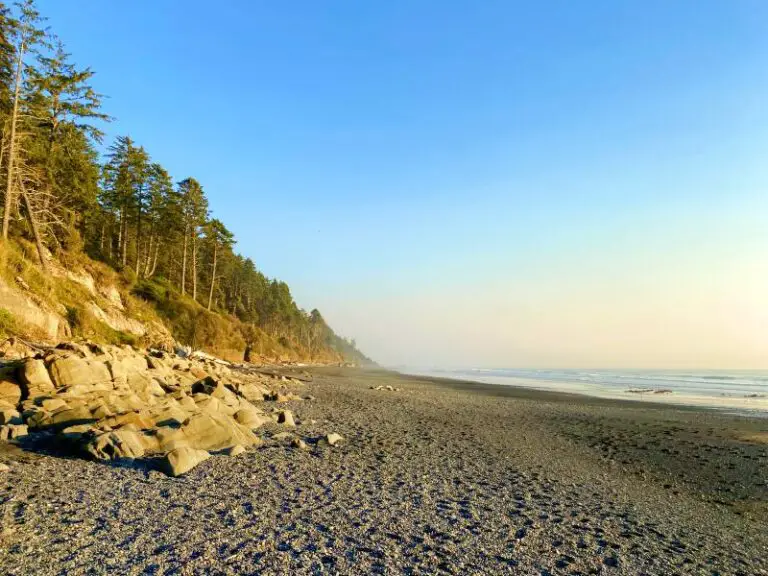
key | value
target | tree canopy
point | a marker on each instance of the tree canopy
(122, 208)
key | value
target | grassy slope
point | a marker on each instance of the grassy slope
(189, 322)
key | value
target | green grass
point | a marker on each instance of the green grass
(8, 324)
(85, 325)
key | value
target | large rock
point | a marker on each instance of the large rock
(145, 386)
(137, 420)
(251, 418)
(10, 391)
(217, 390)
(168, 413)
(65, 418)
(69, 371)
(333, 438)
(181, 460)
(208, 431)
(10, 416)
(53, 404)
(122, 443)
(235, 450)
(12, 431)
(286, 417)
(253, 392)
(128, 364)
(35, 380)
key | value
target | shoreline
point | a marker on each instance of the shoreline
(736, 405)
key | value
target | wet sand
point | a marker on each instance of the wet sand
(440, 477)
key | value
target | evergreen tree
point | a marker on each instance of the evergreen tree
(194, 208)
(218, 238)
(27, 37)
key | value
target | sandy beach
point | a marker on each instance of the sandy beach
(437, 477)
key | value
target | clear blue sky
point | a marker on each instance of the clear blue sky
(497, 183)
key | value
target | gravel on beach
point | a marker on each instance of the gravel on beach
(432, 478)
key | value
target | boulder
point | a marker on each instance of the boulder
(67, 371)
(122, 443)
(67, 417)
(53, 404)
(299, 443)
(168, 413)
(10, 391)
(81, 350)
(100, 410)
(187, 404)
(35, 380)
(180, 364)
(126, 365)
(76, 434)
(235, 450)
(136, 419)
(144, 386)
(156, 363)
(8, 406)
(215, 432)
(34, 417)
(286, 417)
(10, 416)
(181, 460)
(12, 431)
(217, 390)
(211, 405)
(333, 438)
(280, 397)
(251, 418)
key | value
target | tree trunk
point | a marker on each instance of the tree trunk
(120, 235)
(184, 261)
(124, 234)
(12, 144)
(148, 259)
(194, 265)
(154, 263)
(213, 276)
(138, 240)
(35, 229)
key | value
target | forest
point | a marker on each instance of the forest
(67, 192)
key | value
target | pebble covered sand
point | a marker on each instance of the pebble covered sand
(433, 478)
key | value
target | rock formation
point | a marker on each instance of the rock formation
(111, 402)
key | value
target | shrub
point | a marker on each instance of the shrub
(8, 324)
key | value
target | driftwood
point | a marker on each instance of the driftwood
(303, 377)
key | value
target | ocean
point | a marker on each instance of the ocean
(743, 390)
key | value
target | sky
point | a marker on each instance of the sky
(456, 183)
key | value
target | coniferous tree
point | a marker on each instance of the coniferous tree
(218, 238)
(26, 37)
(194, 206)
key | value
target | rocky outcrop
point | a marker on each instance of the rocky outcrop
(111, 402)
(33, 312)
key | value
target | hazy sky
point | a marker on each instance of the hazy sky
(489, 183)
